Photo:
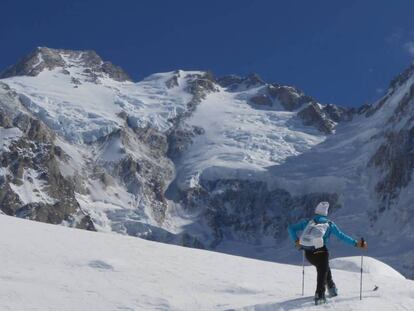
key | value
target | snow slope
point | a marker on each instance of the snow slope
(239, 135)
(236, 134)
(46, 267)
(85, 111)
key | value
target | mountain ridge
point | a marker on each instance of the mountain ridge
(186, 158)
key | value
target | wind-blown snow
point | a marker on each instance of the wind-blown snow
(47, 267)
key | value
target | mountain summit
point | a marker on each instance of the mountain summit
(89, 62)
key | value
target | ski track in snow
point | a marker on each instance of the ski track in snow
(47, 267)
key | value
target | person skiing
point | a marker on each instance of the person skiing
(315, 235)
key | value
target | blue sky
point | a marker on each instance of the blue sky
(342, 52)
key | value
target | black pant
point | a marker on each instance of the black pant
(320, 259)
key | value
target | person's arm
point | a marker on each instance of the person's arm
(299, 226)
(342, 236)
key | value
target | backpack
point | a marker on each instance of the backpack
(312, 236)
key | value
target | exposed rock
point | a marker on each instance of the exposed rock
(172, 82)
(338, 114)
(398, 81)
(247, 211)
(200, 85)
(10, 104)
(156, 141)
(188, 240)
(233, 82)
(395, 158)
(114, 72)
(144, 174)
(33, 128)
(181, 134)
(180, 138)
(5, 120)
(9, 200)
(48, 59)
(402, 78)
(363, 109)
(253, 80)
(35, 153)
(289, 97)
(369, 110)
(75, 81)
(54, 214)
(144, 179)
(404, 106)
(107, 179)
(261, 100)
(313, 115)
(39, 157)
(229, 80)
(34, 63)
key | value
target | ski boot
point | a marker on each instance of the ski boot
(320, 299)
(332, 290)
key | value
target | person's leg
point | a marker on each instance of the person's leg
(320, 260)
(310, 257)
(333, 291)
(329, 281)
(322, 269)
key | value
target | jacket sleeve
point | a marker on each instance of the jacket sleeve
(299, 226)
(342, 236)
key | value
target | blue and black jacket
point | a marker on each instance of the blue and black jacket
(332, 229)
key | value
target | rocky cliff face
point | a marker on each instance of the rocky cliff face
(394, 157)
(275, 96)
(181, 134)
(31, 184)
(248, 211)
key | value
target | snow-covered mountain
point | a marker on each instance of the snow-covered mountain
(49, 267)
(184, 157)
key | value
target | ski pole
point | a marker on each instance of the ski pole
(362, 261)
(303, 272)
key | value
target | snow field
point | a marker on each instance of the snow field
(46, 267)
